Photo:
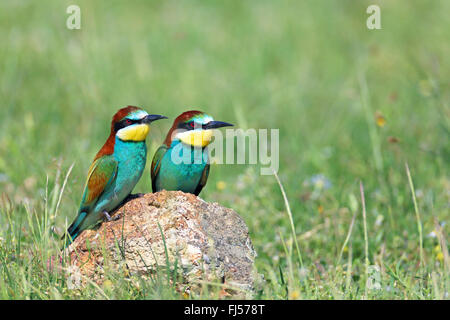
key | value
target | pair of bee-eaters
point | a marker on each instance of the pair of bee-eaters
(119, 164)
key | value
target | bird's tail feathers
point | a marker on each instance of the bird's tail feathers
(74, 229)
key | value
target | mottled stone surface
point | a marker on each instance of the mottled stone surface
(209, 242)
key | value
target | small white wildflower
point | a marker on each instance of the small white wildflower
(320, 181)
(432, 234)
(374, 279)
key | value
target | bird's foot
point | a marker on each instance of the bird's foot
(116, 217)
(107, 216)
(113, 218)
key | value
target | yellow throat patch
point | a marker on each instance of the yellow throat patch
(134, 133)
(196, 138)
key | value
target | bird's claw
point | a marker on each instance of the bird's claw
(107, 216)
(116, 217)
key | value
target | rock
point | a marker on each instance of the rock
(207, 242)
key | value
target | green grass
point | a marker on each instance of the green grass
(309, 68)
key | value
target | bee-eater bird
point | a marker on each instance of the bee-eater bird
(188, 138)
(116, 169)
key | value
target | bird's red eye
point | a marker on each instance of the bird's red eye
(128, 121)
(192, 124)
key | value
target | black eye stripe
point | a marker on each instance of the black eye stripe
(188, 125)
(184, 125)
(124, 123)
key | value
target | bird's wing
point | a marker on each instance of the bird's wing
(156, 164)
(203, 180)
(102, 172)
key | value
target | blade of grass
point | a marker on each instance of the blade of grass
(349, 233)
(62, 189)
(416, 209)
(288, 208)
(349, 268)
(291, 220)
(366, 241)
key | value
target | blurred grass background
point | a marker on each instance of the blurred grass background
(351, 104)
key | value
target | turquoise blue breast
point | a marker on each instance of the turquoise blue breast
(181, 168)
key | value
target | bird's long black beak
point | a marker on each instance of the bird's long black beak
(152, 117)
(217, 124)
